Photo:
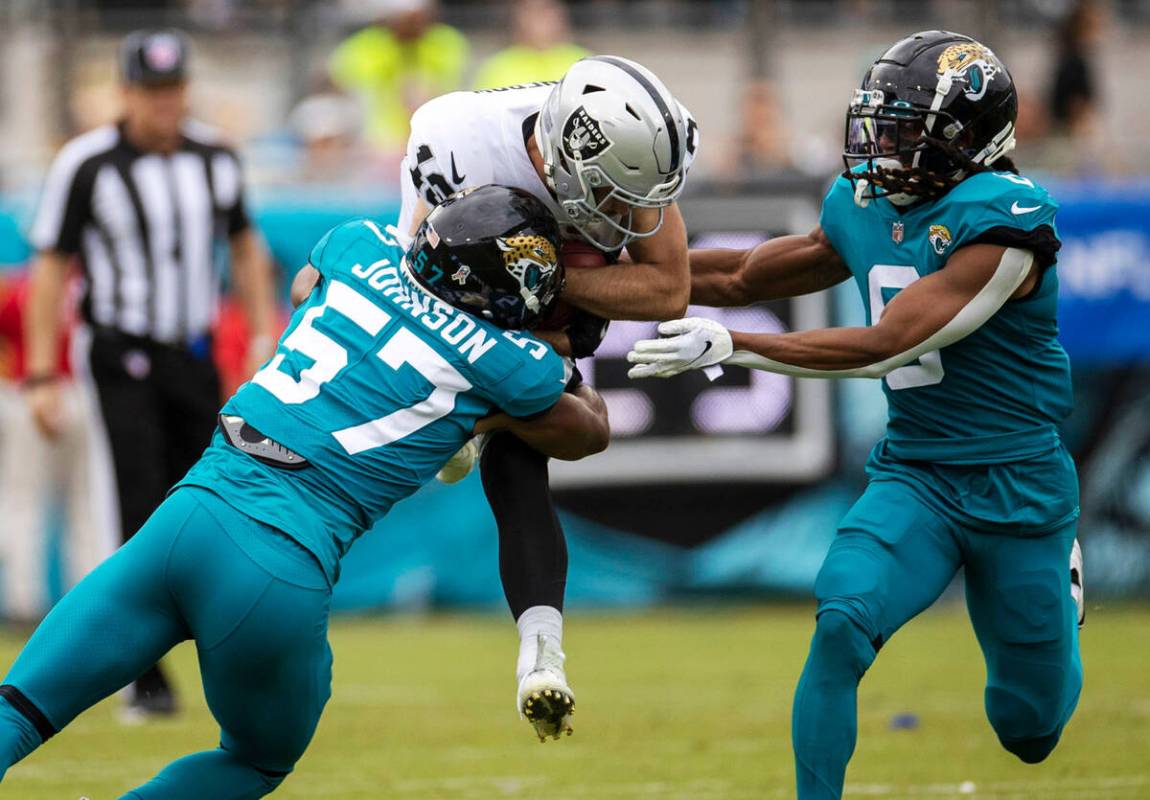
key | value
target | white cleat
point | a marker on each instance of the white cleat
(459, 465)
(1077, 590)
(545, 699)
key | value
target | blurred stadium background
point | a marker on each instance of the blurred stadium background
(720, 491)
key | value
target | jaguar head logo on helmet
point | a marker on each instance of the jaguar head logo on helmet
(934, 109)
(531, 259)
(972, 62)
(491, 251)
(613, 138)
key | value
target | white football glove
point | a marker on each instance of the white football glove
(690, 343)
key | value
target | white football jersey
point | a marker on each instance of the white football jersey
(466, 139)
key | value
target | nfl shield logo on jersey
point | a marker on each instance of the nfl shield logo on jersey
(896, 232)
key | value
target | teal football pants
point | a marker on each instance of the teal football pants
(255, 603)
(894, 554)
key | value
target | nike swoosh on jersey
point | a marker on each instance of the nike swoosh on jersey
(456, 178)
(1017, 209)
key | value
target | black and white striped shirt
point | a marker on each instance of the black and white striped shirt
(149, 228)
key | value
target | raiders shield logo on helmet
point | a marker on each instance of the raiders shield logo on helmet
(582, 136)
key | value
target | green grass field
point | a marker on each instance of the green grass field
(675, 705)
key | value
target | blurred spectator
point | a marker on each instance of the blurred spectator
(39, 475)
(761, 144)
(398, 63)
(329, 126)
(1074, 92)
(542, 50)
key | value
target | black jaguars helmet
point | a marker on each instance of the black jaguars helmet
(493, 252)
(935, 108)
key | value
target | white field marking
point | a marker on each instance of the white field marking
(512, 786)
(1103, 788)
(1132, 793)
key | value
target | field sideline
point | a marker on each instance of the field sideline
(673, 704)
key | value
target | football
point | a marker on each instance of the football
(576, 254)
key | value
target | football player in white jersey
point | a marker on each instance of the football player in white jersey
(607, 149)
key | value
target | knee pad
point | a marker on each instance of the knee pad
(840, 641)
(1022, 728)
(272, 778)
(29, 711)
(1031, 751)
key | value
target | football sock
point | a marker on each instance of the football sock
(535, 622)
(18, 736)
(217, 774)
(824, 721)
(532, 550)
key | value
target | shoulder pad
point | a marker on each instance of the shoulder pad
(1004, 191)
(328, 251)
(1002, 208)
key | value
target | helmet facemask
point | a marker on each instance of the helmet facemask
(910, 153)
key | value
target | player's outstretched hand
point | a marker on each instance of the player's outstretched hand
(683, 344)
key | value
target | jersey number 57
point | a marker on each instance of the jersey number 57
(329, 357)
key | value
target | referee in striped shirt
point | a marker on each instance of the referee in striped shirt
(147, 208)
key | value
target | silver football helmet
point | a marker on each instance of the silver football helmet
(613, 138)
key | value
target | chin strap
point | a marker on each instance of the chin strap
(1012, 270)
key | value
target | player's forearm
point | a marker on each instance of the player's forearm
(787, 266)
(932, 313)
(302, 284)
(715, 277)
(42, 313)
(829, 352)
(627, 290)
(255, 287)
(575, 428)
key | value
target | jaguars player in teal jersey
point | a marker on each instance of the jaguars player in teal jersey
(953, 252)
(388, 367)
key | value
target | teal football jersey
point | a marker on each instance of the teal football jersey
(998, 394)
(376, 383)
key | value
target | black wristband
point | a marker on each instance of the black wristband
(40, 378)
(585, 332)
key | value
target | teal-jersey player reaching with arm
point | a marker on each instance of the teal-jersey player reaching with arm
(953, 253)
(389, 365)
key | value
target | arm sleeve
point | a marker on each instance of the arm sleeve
(535, 387)
(1012, 270)
(1042, 241)
(64, 205)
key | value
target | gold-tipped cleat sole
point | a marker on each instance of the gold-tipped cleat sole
(550, 712)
